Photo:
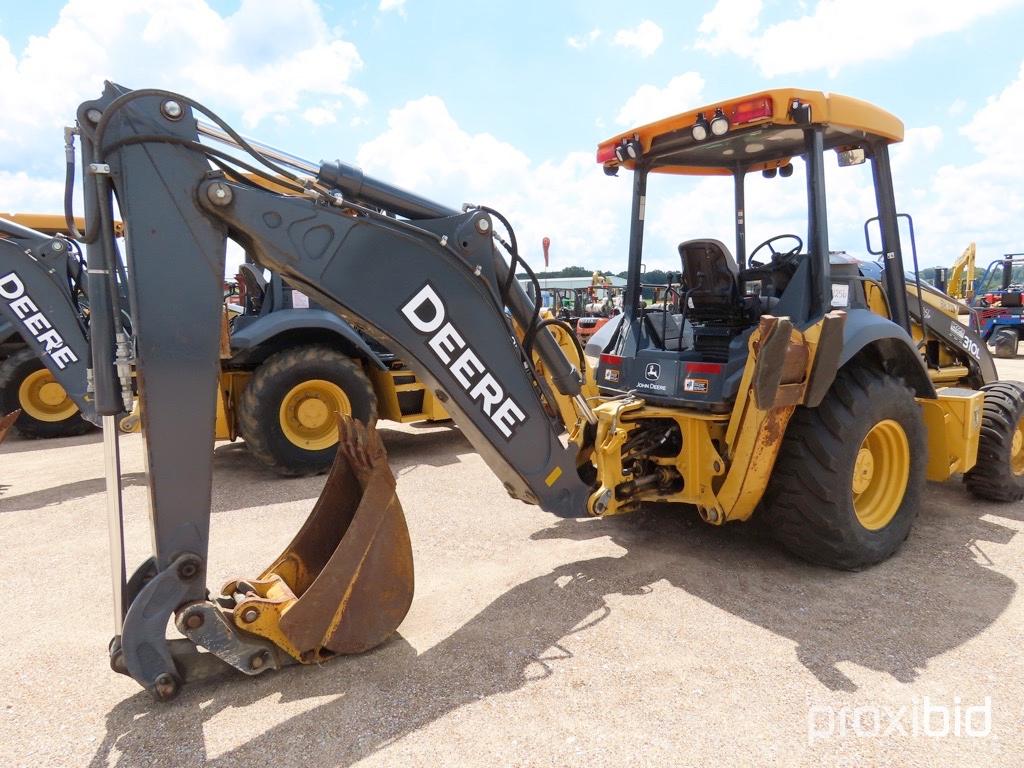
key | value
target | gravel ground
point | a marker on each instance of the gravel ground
(650, 639)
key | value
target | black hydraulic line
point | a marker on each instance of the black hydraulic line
(210, 152)
(121, 101)
(69, 186)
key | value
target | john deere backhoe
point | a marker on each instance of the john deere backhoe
(288, 368)
(819, 392)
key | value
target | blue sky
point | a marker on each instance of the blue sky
(505, 103)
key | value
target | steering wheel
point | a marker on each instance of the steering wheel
(777, 256)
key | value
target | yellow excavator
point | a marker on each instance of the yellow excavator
(812, 389)
(958, 280)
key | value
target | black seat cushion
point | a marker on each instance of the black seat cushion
(710, 280)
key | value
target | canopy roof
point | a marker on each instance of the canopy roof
(764, 131)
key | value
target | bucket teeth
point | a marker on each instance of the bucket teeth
(345, 582)
(7, 422)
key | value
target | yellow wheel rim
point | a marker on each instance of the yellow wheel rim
(880, 474)
(1017, 449)
(309, 414)
(42, 398)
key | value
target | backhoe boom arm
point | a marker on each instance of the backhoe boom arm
(430, 285)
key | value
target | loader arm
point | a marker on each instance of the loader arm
(37, 273)
(426, 280)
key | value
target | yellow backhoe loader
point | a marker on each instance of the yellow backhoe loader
(814, 389)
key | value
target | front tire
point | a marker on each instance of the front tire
(46, 410)
(288, 413)
(999, 472)
(849, 476)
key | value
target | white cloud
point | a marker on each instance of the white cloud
(835, 33)
(319, 116)
(645, 37)
(568, 199)
(979, 200)
(582, 42)
(650, 102)
(19, 193)
(392, 5)
(956, 108)
(266, 61)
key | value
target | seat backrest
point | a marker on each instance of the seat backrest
(254, 287)
(710, 279)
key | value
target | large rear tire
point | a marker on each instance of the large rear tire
(288, 413)
(999, 473)
(850, 473)
(1004, 343)
(46, 409)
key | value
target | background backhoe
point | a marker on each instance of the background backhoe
(305, 364)
(815, 388)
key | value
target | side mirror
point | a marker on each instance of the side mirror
(850, 157)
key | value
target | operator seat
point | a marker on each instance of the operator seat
(710, 281)
(255, 286)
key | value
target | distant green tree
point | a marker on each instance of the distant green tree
(564, 272)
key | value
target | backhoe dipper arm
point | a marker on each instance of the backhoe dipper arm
(36, 296)
(431, 286)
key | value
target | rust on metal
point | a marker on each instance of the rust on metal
(7, 422)
(345, 582)
(794, 365)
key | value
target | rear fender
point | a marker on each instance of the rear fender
(890, 346)
(262, 330)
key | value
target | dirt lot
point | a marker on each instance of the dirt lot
(646, 640)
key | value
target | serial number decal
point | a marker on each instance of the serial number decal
(840, 295)
(426, 312)
(700, 386)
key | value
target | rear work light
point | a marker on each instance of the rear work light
(606, 153)
(700, 129)
(719, 123)
(749, 111)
